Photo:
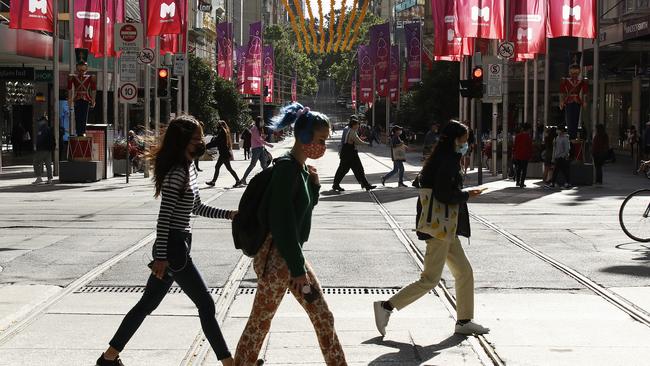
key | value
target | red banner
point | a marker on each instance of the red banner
(528, 24)
(393, 80)
(448, 45)
(294, 89)
(88, 25)
(115, 14)
(571, 18)
(253, 60)
(224, 51)
(365, 74)
(353, 93)
(165, 17)
(269, 69)
(32, 15)
(479, 18)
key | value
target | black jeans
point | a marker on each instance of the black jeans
(350, 160)
(81, 108)
(521, 170)
(184, 272)
(599, 161)
(561, 166)
(224, 159)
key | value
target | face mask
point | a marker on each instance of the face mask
(462, 149)
(199, 150)
(314, 151)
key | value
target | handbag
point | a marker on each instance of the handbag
(269, 157)
(439, 220)
(399, 153)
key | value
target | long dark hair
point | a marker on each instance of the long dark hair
(447, 143)
(223, 126)
(171, 151)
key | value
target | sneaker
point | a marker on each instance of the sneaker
(210, 183)
(199, 170)
(237, 185)
(370, 187)
(402, 185)
(101, 361)
(381, 317)
(243, 182)
(338, 188)
(470, 328)
(549, 186)
(38, 181)
(567, 185)
(50, 181)
(522, 186)
(383, 181)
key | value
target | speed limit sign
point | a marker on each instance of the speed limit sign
(128, 93)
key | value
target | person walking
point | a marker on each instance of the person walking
(430, 140)
(45, 146)
(223, 142)
(600, 151)
(522, 152)
(175, 180)
(398, 154)
(350, 158)
(561, 151)
(258, 153)
(280, 263)
(442, 176)
(246, 143)
(547, 155)
(466, 160)
(375, 134)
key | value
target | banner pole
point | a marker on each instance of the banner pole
(104, 28)
(73, 129)
(505, 140)
(55, 118)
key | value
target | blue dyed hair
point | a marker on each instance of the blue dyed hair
(304, 122)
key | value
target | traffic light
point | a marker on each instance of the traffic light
(163, 82)
(473, 88)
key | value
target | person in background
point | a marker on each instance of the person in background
(45, 145)
(17, 134)
(245, 139)
(350, 158)
(466, 160)
(258, 152)
(441, 173)
(561, 151)
(280, 264)
(430, 140)
(522, 152)
(376, 134)
(646, 140)
(398, 155)
(547, 155)
(600, 151)
(223, 142)
(633, 140)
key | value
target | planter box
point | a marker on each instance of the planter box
(120, 167)
(535, 170)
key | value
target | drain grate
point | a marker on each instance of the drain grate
(132, 289)
(338, 291)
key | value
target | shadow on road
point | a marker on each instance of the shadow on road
(635, 270)
(412, 355)
(38, 188)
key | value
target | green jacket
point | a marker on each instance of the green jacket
(292, 199)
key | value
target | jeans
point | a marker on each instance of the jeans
(398, 166)
(350, 160)
(81, 108)
(224, 160)
(40, 158)
(521, 169)
(182, 270)
(258, 153)
(561, 166)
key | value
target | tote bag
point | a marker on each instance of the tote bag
(437, 219)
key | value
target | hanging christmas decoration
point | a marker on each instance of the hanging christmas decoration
(321, 21)
(312, 24)
(331, 32)
(339, 30)
(294, 26)
(348, 27)
(357, 26)
(301, 18)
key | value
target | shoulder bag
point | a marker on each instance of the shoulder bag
(439, 220)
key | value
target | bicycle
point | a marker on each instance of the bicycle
(634, 215)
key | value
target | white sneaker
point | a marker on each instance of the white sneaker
(381, 317)
(471, 328)
(38, 181)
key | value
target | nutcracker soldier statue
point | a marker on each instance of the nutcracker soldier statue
(82, 88)
(573, 93)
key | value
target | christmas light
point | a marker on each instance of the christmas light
(358, 25)
(294, 26)
(348, 27)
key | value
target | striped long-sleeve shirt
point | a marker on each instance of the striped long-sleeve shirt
(180, 198)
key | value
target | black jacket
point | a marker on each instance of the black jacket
(443, 176)
(45, 139)
(220, 141)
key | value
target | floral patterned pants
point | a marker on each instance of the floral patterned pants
(273, 280)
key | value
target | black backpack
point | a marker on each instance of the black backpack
(250, 226)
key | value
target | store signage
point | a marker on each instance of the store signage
(407, 4)
(45, 76)
(636, 28)
(205, 7)
(17, 73)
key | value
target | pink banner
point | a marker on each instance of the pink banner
(88, 25)
(269, 69)
(365, 74)
(480, 18)
(115, 14)
(528, 24)
(571, 18)
(31, 15)
(448, 45)
(413, 53)
(380, 51)
(241, 68)
(224, 52)
(353, 92)
(165, 16)
(253, 63)
(393, 80)
(294, 89)
(172, 42)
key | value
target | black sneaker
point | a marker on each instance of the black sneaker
(101, 361)
(370, 187)
(210, 183)
(338, 188)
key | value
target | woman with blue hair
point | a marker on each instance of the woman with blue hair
(280, 263)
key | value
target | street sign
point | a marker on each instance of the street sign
(146, 56)
(506, 50)
(179, 64)
(128, 93)
(128, 37)
(494, 83)
(205, 7)
(129, 67)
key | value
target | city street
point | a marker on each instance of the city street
(557, 281)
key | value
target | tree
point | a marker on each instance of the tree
(230, 105)
(202, 103)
